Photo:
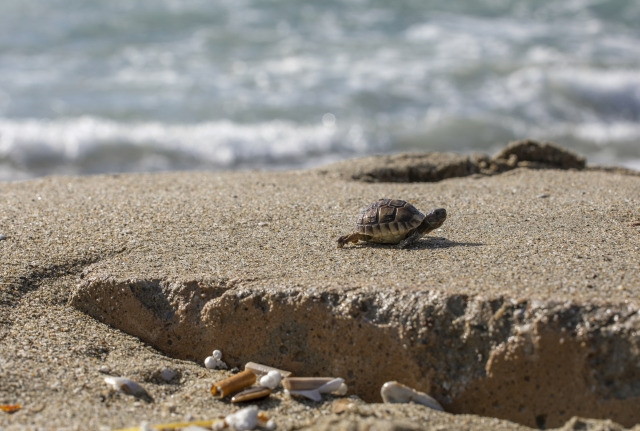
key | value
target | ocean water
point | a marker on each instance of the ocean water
(90, 86)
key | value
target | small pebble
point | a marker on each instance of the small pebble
(2, 237)
(168, 374)
(342, 405)
(543, 195)
(104, 369)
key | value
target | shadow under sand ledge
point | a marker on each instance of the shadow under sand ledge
(536, 363)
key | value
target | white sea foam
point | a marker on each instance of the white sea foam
(73, 145)
(192, 84)
(608, 93)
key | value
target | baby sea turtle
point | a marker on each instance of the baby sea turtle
(393, 221)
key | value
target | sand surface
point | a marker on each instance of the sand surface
(526, 235)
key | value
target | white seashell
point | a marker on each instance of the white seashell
(217, 355)
(245, 419)
(333, 386)
(271, 380)
(210, 363)
(394, 392)
(126, 386)
(214, 364)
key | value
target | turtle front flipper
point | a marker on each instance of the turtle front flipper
(352, 237)
(411, 238)
(432, 221)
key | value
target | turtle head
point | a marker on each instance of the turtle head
(436, 217)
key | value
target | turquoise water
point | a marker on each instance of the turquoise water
(93, 86)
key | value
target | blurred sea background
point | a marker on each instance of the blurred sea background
(89, 86)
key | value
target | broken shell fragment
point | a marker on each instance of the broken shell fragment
(10, 408)
(334, 386)
(305, 383)
(233, 384)
(261, 370)
(313, 387)
(394, 392)
(251, 394)
(126, 386)
(271, 380)
(191, 425)
(217, 355)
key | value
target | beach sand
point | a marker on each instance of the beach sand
(524, 306)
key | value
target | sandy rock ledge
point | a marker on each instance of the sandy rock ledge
(536, 363)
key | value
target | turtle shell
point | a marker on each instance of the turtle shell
(388, 220)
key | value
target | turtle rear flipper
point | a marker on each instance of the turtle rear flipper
(352, 237)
